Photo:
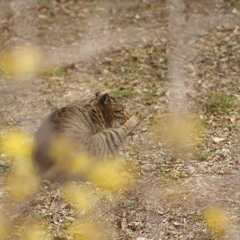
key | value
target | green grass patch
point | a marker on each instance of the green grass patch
(234, 3)
(154, 93)
(123, 93)
(130, 204)
(203, 155)
(221, 103)
(45, 3)
(3, 168)
(59, 72)
(152, 96)
(55, 72)
(8, 14)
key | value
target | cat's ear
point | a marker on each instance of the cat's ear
(97, 94)
(105, 99)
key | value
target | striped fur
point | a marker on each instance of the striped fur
(96, 125)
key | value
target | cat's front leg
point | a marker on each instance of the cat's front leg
(133, 122)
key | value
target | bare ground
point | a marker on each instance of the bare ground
(123, 48)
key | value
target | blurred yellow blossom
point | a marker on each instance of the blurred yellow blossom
(22, 181)
(62, 151)
(33, 232)
(80, 164)
(181, 130)
(17, 144)
(109, 175)
(217, 220)
(86, 231)
(77, 196)
(22, 61)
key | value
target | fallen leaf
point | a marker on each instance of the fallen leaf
(218, 139)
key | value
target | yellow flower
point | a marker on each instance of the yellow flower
(68, 157)
(17, 144)
(183, 131)
(217, 220)
(61, 150)
(86, 231)
(79, 164)
(22, 181)
(109, 176)
(21, 62)
(33, 232)
(77, 196)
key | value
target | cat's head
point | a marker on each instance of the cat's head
(113, 111)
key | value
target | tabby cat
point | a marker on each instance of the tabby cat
(96, 125)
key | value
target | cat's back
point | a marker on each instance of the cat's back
(75, 117)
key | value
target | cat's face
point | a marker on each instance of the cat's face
(116, 115)
(113, 111)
